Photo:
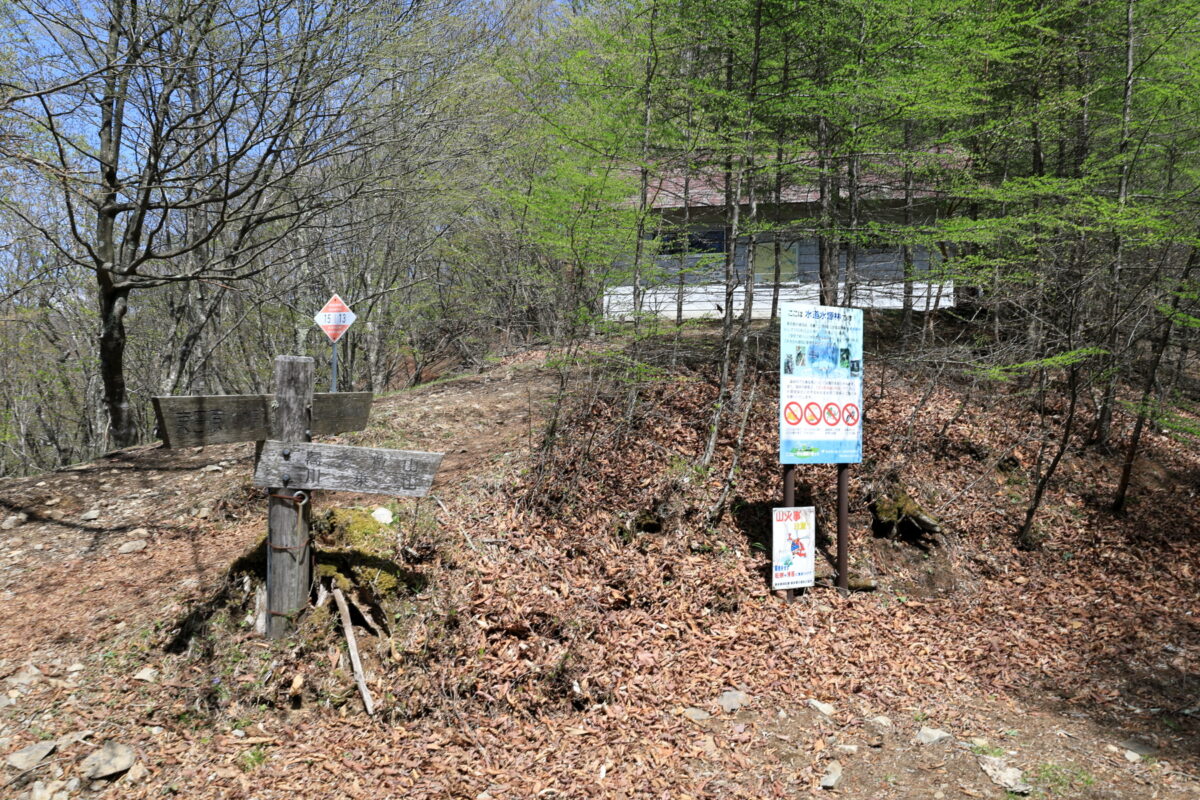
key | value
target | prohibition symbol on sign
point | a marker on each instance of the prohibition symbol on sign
(791, 413)
(812, 413)
(850, 414)
(833, 413)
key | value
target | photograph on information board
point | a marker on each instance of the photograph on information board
(820, 384)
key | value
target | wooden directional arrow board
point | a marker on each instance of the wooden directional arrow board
(221, 419)
(303, 465)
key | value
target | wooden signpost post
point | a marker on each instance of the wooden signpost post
(291, 466)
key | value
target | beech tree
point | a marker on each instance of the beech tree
(185, 140)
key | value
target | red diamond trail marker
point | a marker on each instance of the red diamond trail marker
(335, 318)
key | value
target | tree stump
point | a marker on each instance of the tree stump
(896, 515)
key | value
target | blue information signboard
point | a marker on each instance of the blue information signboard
(820, 384)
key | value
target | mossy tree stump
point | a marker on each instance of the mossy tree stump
(897, 515)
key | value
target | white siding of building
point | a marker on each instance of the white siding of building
(707, 301)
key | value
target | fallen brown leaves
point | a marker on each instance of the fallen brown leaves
(565, 635)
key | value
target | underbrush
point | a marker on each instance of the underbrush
(382, 570)
(600, 579)
(630, 489)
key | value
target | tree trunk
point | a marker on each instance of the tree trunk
(1160, 347)
(906, 319)
(1105, 412)
(114, 302)
(1026, 537)
(827, 248)
(644, 178)
(852, 244)
(114, 299)
(777, 238)
(778, 194)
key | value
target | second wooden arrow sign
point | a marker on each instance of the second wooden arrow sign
(307, 466)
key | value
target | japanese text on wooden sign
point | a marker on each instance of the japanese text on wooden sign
(820, 384)
(792, 544)
(305, 466)
(220, 419)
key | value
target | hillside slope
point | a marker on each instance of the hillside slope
(569, 627)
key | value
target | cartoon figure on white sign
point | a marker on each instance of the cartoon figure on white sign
(793, 565)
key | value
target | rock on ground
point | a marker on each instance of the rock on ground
(25, 676)
(732, 700)
(1004, 776)
(1140, 747)
(833, 775)
(146, 675)
(823, 708)
(111, 759)
(932, 736)
(28, 757)
(54, 790)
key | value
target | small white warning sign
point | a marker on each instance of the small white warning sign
(792, 543)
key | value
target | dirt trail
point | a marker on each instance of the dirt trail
(196, 511)
(91, 618)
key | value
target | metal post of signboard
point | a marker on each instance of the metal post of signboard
(843, 527)
(789, 501)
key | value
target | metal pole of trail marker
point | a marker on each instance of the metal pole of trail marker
(334, 319)
(333, 370)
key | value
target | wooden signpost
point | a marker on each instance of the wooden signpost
(291, 466)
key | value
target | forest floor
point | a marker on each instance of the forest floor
(568, 625)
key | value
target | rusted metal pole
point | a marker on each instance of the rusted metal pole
(289, 570)
(843, 527)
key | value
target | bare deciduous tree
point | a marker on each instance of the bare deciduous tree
(185, 139)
